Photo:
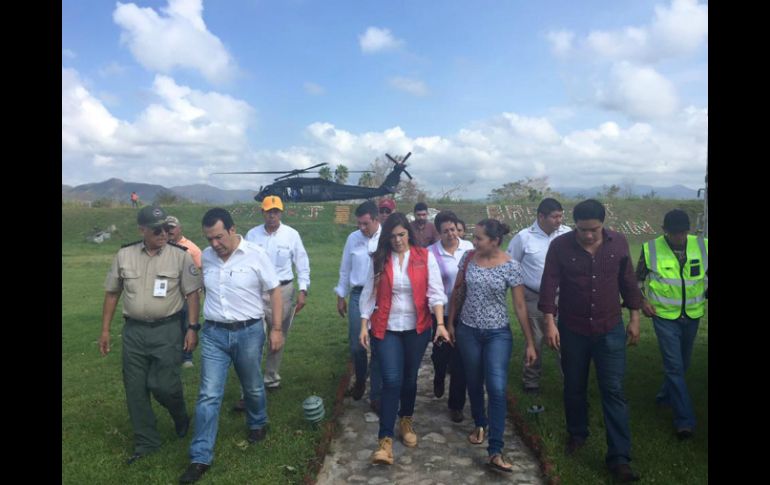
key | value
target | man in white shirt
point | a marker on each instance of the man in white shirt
(356, 259)
(236, 273)
(529, 248)
(284, 247)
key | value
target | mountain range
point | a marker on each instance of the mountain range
(119, 190)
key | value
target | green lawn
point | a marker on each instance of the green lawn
(96, 433)
(657, 454)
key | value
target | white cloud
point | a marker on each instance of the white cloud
(314, 89)
(177, 39)
(640, 92)
(411, 86)
(561, 42)
(183, 135)
(68, 54)
(676, 31)
(376, 40)
(178, 132)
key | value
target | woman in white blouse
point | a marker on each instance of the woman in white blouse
(402, 288)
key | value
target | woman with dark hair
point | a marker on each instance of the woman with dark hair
(483, 333)
(448, 251)
(402, 288)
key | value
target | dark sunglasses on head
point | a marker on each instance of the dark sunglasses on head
(385, 210)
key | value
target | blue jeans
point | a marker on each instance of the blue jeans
(358, 353)
(220, 347)
(676, 339)
(608, 352)
(486, 354)
(399, 354)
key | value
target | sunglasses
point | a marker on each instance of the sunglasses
(385, 210)
(160, 229)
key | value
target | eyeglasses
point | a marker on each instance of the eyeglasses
(160, 229)
(385, 210)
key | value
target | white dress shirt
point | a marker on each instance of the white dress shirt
(403, 312)
(356, 259)
(529, 247)
(234, 287)
(284, 246)
(451, 263)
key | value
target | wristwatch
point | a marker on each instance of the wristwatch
(194, 326)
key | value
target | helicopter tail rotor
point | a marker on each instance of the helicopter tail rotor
(402, 163)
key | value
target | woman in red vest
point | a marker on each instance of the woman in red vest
(483, 332)
(403, 285)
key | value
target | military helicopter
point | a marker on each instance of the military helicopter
(292, 187)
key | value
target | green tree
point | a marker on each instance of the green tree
(325, 173)
(366, 180)
(341, 174)
(531, 189)
(610, 192)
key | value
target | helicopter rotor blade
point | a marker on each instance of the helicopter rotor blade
(406, 157)
(314, 166)
(408, 174)
(391, 158)
(227, 173)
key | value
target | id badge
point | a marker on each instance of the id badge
(160, 288)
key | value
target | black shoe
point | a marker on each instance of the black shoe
(456, 415)
(193, 473)
(272, 388)
(133, 458)
(530, 390)
(623, 473)
(573, 444)
(358, 390)
(182, 427)
(684, 434)
(239, 406)
(257, 434)
(438, 387)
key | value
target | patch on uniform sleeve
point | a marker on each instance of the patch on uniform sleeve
(193, 270)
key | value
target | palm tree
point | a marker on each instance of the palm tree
(341, 174)
(325, 173)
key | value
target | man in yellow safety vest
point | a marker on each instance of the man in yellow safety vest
(675, 266)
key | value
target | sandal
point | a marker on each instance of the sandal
(501, 467)
(478, 435)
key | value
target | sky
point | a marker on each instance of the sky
(587, 93)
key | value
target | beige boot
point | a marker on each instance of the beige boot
(384, 454)
(408, 436)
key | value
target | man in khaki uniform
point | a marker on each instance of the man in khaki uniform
(155, 276)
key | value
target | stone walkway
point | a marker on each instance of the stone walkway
(443, 454)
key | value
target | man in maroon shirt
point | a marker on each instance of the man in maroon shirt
(591, 267)
(425, 232)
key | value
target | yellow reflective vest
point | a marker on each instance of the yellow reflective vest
(673, 289)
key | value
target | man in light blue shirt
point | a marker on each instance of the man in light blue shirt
(529, 247)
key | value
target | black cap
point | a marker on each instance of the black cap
(151, 216)
(676, 220)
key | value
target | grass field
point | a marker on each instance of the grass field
(96, 433)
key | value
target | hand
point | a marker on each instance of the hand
(632, 331)
(450, 330)
(342, 306)
(648, 309)
(276, 340)
(363, 338)
(190, 340)
(104, 343)
(300, 302)
(552, 336)
(531, 355)
(442, 333)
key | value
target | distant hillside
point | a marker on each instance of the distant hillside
(213, 195)
(117, 189)
(672, 192)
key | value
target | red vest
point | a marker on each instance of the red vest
(417, 271)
